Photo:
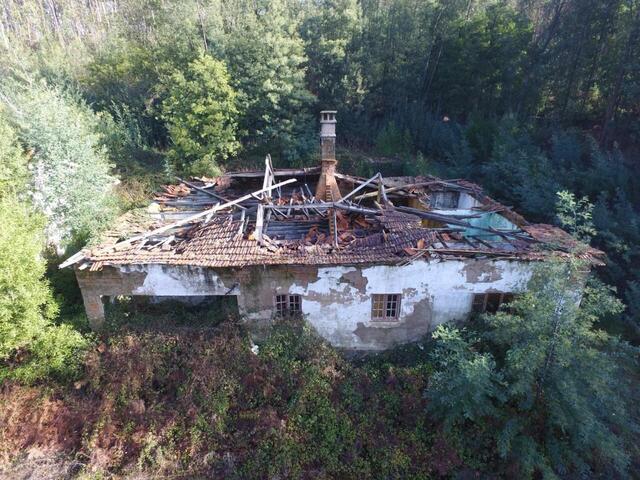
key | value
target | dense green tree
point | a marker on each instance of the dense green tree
(474, 76)
(329, 31)
(520, 172)
(200, 110)
(539, 384)
(618, 225)
(571, 61)
(265, 56)
(122, 77)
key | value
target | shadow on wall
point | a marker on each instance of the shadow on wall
(162, 312)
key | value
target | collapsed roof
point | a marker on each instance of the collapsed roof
(274, 217)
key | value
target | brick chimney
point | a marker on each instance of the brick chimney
(327, 188)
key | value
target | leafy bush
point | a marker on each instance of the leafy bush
(14, 174)
(72, 183)
(575, 216)
(32, 346)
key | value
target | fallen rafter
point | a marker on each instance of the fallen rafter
(80, 255)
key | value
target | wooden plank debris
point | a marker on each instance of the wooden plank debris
(376, 177)
(400, 188)
(203, 190)
(268, 177)
(280, 172)
(478, 239)
(75, 258)
(298, 220)
(259, 224)
(242, 224)
(204, 213)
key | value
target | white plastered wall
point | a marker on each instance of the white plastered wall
(432, 293)
(337, 302)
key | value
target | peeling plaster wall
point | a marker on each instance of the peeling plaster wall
(335, 300)
(173, 281)
(150, 280)
(338, 302)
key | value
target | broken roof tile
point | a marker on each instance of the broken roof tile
(286, 226)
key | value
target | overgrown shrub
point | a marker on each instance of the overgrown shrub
(204, 402)
(32, 346)
(72, 182)
(201, 403)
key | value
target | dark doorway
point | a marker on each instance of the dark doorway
(199, 311)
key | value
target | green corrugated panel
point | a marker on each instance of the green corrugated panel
(487, 220)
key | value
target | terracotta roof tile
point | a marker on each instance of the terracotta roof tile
(386, 236)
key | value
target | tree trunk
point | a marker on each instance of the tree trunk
(614, 98)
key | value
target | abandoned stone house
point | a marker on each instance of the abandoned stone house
(369, 262)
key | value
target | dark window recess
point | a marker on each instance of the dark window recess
(490, 302)
(288, 304)
(479, 302)
(448, 200)
(493, 302)
(295, 304)
(281, 304)
(385, 307)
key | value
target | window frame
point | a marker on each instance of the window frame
(287, 304)
(295, 303)
(386, 307)
(479, 307)
(448, 200)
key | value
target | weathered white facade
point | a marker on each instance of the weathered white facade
(338, 303)
(336, 300)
